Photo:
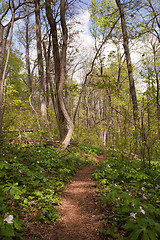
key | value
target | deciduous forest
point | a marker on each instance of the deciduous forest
(70, 103)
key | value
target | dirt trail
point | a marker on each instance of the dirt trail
(80, 214)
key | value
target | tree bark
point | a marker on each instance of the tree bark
(70, 124)
(3, 67)
(47, 73)
(28, 65)
(105, 133)
(157, 90)
(1, 73)
(40, 62)
(128, 61)
(58, 66)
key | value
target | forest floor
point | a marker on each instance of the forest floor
(80, 211)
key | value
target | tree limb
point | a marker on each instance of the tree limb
(91, 69)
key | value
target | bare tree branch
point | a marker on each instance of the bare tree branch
(92, 65)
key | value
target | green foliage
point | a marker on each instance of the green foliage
(145, 228)
(30, 181)
(3, 7)
(103, 16)
(10, 227)
(13, 74)
(133, 191)
(90, 149)
(16, 106)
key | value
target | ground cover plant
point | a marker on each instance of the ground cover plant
(31, 179)
(90, 149)
(132, 189)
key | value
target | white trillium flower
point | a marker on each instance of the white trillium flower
(142, 211)
(133, 215)
(9, 219)
(144, 196)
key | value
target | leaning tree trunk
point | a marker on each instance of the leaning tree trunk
(70, 124)
(60, 118)
(128, 61)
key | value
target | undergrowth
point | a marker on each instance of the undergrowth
(31, 179)
(132, 190)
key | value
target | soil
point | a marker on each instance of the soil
(80, 211)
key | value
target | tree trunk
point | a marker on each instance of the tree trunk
(63, 76)
(3, 67)
(112, 124)
(105, 133)
(58, 66)
(1, 73)
(157, 90)
(48, 75)
(28, 65)
(128, 61)
(40, 61)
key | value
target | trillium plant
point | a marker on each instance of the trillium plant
(133, 215)
(9, 219)
(132, 183)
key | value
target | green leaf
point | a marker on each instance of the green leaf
(16, 192)
(38, 193)
(7, 188)
(104, 181)
(129, 226)
(3, 165)
(145, 236)
(152, 234)
(17, 223)
(157, 228)
(105, 232)
(7, 230)
(135, 234)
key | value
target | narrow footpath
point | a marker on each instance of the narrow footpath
(80, 212)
